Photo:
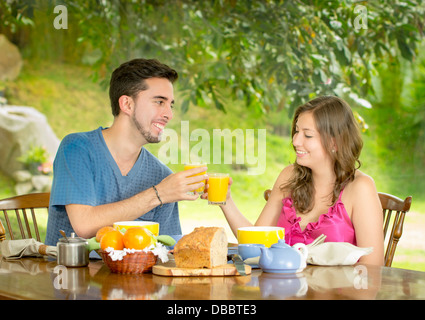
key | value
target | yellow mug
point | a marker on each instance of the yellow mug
(125, 225)
(261, 235)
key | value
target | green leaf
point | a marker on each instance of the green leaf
(405, 50)
(185, 105)
(166, 240)
(93, 244)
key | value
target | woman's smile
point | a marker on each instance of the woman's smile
(301, 154)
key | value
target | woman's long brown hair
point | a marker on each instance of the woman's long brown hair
(337, 126)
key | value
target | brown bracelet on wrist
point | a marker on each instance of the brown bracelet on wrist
(157, 194)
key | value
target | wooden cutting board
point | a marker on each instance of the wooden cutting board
(169, 269)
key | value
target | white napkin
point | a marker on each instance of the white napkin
(15, 249)
(334, 253)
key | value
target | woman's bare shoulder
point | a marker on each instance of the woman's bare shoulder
(360, 197)
(283, 178)
(285, 175)
(362, 185)
(362, 180)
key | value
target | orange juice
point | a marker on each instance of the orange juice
(218, 184)
(191, 166)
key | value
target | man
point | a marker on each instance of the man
(105, 175)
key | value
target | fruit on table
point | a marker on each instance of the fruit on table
(138, 238)
(113, 239)
(102, 231)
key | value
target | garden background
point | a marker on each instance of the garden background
(242, 65)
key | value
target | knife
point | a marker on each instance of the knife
(240, 266)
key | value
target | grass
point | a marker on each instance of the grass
(6, 186)
(72, 102)
(64, 94)
(409, 259)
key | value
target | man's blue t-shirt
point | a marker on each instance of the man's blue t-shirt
(86, 173)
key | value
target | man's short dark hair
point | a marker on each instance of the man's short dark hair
(129, 79)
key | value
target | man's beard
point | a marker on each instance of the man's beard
(146, 133)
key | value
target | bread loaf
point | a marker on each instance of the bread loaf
(204, 247)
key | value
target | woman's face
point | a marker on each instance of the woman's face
(308, 144)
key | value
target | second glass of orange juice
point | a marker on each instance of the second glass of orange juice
(218, 183)
(191, 166)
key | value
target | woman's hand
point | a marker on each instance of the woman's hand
(228, 196)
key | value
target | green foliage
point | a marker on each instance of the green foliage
(36, 154)
(6, 186)
(262, 51)
(398, 124)
(258, 49)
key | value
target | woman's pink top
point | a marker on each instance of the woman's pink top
(335, 224)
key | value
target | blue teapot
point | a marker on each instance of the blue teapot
(282, 258)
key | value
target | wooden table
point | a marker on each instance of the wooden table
(38, 278)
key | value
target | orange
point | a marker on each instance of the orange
(102, 231)
(112, 239)
(137, 238)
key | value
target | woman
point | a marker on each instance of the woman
(323, 192)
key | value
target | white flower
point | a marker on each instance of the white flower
(115, 254)
(159, 250)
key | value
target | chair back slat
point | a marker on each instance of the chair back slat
(387, 218)
(34, 221)
(8, 225)
(24, 214)
(24, 207)
(21, 228)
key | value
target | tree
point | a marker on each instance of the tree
(270, 54)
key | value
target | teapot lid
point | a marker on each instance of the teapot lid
(280, 244)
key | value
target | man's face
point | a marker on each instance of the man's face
(153, 109)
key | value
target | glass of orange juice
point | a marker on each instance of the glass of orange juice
(191, 166)
(218, 183)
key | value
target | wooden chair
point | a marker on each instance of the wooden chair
(393, 205)
(23, 206)
(390, 205)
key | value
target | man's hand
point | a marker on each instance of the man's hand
(177, 186)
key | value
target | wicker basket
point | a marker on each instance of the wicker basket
(134, 263)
